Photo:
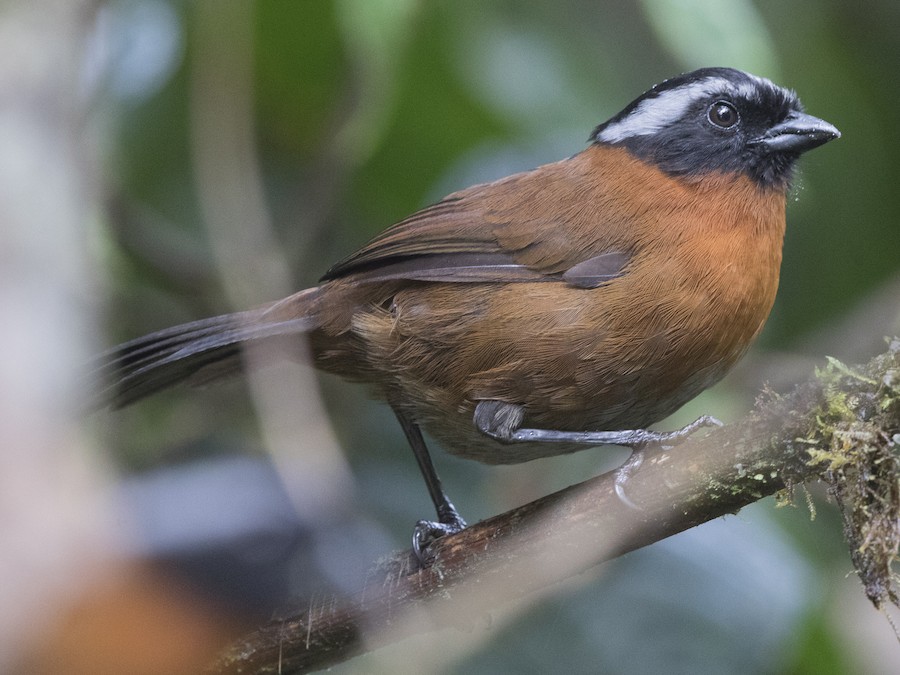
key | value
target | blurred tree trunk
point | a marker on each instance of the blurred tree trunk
(69, 603)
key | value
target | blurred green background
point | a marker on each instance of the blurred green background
(363, 111)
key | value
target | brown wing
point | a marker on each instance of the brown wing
(505, 231)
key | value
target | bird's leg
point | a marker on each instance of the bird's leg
(502, 421)
(449, 521)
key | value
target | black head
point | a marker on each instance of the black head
(718, 120)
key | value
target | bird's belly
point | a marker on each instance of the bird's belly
(568, 357)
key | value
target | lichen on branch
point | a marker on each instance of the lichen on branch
(857, 445)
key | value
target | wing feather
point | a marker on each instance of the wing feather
(479, 235)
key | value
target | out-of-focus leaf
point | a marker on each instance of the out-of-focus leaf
(376, 33)
(714, 33)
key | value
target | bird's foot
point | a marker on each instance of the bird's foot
(642, 439)
(426, 532)
(651, 440)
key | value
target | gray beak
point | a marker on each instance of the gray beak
(798, 133)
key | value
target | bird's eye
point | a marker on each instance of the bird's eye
(723, 114)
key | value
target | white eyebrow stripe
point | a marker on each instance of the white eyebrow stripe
(654, 114)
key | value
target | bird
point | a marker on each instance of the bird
(571, 305)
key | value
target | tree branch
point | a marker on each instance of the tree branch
(839, 426)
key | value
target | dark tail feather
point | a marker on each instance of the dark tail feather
(200, 351)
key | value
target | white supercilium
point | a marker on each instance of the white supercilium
(656, 113)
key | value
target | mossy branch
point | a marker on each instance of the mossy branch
(843, 426)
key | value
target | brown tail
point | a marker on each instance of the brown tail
(199, 351)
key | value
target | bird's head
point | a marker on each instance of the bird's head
(718, 120)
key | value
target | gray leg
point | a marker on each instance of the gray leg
(502, 421)
(449, 521)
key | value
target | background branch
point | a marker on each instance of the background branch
(843, 425)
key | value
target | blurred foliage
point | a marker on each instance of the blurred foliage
(367, 110)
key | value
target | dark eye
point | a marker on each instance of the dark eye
(723, 114)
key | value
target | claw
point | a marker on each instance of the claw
(426, 532)
(673, 438)
(623, 473)
(650, 440)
